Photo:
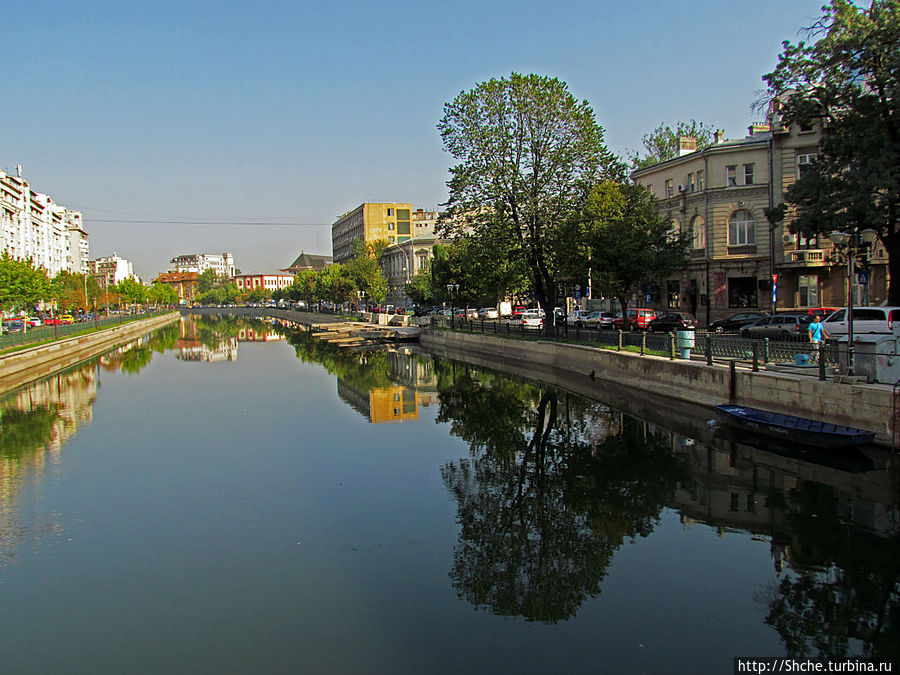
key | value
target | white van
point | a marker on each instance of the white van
(866, 320)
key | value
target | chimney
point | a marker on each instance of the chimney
(686, 145)
(719, 136)
(757, 128)
(18, 170)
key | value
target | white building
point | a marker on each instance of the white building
(111, 270)
(33, 226)
(221, 263)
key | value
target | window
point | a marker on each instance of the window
(650, 188)
(731, 175)
(742, 292)
(700, 180)
(698, 232)
(390, 212)
(669, 190)
(748, 174)
(390, 226)
(390, 240)
(804, 161)
(673, 291)
(808, 290)
(690, 180)
(741, 229)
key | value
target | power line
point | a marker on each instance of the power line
(202, 222)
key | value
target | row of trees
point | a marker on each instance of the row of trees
(23, 286)
(360, 280)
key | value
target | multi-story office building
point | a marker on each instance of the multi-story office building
(111, 270)
(221, 263)
(720, 195)
(390, 222)
(402, 261)
(33, 226)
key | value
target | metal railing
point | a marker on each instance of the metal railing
(708, 346)
(38, 334)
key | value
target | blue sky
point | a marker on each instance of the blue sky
(291, 113)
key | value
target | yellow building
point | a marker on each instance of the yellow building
(370, 222)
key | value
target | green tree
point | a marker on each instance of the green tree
(846, 80)
(21, 284)
(162, 294)
(630, 244)
(132, 291)
(364, 273)
(303, 286)
(528, 153)
(68, 290)
(661, 144)
(207, 281)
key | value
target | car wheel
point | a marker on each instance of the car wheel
(649, 329)
(720, 329)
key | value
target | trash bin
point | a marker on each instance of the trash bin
(684, 341)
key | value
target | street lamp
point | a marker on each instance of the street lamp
(850, 246)
(451, 289)
(360, 295)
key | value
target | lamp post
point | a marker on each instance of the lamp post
(361, 296)
(451, 289)
(850, 246)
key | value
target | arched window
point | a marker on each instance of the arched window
(698, 232)
(741, 228)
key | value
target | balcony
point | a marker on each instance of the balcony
(807, 257)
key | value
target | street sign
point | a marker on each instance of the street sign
(862, 277)
(648, 298)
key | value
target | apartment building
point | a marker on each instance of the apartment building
(719, 194)
(368, 222)
(33, 226)
(221, 263)
(111, 270)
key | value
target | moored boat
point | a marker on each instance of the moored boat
(796, 429)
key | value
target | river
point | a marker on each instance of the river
(222, 496)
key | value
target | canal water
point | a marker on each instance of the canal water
(223, 497)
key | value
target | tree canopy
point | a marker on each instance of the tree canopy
(629, 244)
(528, 152)
(846, 80)
(661, 144)
(21, 283)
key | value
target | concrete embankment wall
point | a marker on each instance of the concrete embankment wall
(867, 407)
(27, 365)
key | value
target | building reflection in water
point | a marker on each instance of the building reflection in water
(35, 423)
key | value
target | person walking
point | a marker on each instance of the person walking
(817, 335)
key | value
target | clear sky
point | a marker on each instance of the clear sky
(226, 114)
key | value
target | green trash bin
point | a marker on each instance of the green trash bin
(684, 342)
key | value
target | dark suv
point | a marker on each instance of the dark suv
(735, 322)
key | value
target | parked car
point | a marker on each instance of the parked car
(635, 319)
(488, 313)
(735, 322)
(669, 322)
(52, 321)
(782, 326)
(576, 317)
(530, 318)
(34, 321)
(599, 320)
(66, 319)
(518, 309)
(865, 320)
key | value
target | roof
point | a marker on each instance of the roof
(310, 261)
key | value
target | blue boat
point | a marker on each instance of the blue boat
(796, 429)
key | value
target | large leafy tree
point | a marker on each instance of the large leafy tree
(162, 294)
(131, 291)
(661, 144)
(846, 79)
(21, 283)
(630, 245)
(528, 152)
(75, 290)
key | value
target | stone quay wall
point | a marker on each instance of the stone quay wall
(864, 406)
(34, 363)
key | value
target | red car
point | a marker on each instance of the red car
(635, 319)
(52, 321)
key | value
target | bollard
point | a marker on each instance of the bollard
(755, 347)
(619, 347)
(820, 348)
(672, 346)
(643, 343)
(709, 359)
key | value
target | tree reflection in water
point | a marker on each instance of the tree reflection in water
(844, 595)
(550, 493)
